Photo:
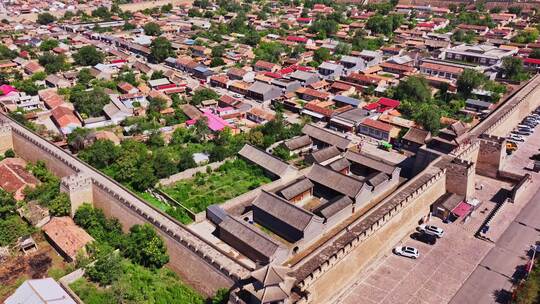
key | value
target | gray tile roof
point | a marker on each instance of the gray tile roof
(326, 136)
(332, 207)
(296, 188)
(295, 216)
(298, 142)
(370, 162)
(324, 154)
(250, 236)
(265, 160)
(336, 181)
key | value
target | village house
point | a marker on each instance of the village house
(376, 129)
(66, 237)
(14, 178)
(481, 54)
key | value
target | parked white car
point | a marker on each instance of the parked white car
(409, 252)
(430, 229)
(515, 137)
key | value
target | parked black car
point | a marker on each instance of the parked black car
(424, 238)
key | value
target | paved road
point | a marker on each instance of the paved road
(491, 281)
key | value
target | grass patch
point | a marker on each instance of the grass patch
(173, 211)
(233, 178)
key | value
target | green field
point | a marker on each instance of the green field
(230, 180)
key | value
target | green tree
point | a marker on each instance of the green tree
(145, 247)
(429, 117)
(512, 68)
(77, 138)
(217, 61)
(160, 49)
(270, 51)
(251, 37)
(101, 154)
(84, 77)
(167, 8)
(128, 26)
(45, 18)
(155, 140)
(164, 166)
(414, 89)
(321, 54)
(515, 10)
(101, 12)
(103, 230)
(157, 75)
(282, 152)
(48, 44)
(7, 204)
(6, 53)
(468, 80)
(343, 49)
(128, 77)
(218, 51)
(152, 29)
(60, 205)
(106, 269)
(463, 36)
(204, 94)
(9, 153)
(88, 55)
(90, 103)
(221, 296)
(53, 63)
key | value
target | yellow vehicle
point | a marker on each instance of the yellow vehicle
(511, 147)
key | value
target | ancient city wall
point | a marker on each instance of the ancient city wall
(394, 225)
(32, 148)
(200, 264)
(6, 138)
(526, 100)
(491, 156)
(518, 191)
(460, 177)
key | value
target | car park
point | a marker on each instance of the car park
(430, 229)
(424, 238)
(406, 251)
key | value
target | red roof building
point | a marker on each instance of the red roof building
(14, 178)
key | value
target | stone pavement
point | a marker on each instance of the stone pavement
(433, 278)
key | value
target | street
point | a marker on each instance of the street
(491, 281)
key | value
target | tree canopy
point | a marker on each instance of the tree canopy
(89, 103)
(88, 55)
(53, 63)
(45, 18)
(203, 94)
(468, 80)
(513, 69)
(152, 29)
(160, 49)
(144, 247)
